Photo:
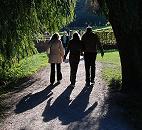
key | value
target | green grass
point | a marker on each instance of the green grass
(111, 68)
(103, 28)
(26, 67)
(30, 65)
(112, 74)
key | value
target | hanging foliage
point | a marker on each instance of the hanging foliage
(22, 20)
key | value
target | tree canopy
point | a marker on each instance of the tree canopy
(22, 20)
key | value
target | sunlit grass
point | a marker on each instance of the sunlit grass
(111, 71)
(26, 67)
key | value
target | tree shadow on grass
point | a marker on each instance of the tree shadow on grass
(115, 84)
(132, 102)
(32, 100)
(67, 111)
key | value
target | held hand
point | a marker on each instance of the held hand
(82, 54)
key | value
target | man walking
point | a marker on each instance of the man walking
(65, 39)
(90, 43)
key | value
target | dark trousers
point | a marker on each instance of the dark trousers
(52, 74)
(90, 66)
(74, 61)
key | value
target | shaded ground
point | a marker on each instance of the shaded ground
(44, 107)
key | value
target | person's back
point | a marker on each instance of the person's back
(55, 47)
(74, 46)
(90, 41)
(65, 39)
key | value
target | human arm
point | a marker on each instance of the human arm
(48, 45)
(61, 48)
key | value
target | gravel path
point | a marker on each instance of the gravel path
(42, 107)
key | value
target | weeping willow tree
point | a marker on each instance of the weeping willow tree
(22, 20)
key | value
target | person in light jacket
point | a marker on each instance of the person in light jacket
(55, 53)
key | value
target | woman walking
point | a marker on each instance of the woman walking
(55, 52)
(74, 47)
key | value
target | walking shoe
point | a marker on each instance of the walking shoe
(51, 84)
(59, 81)
(92, 82)
(87, 84)
(72, 86)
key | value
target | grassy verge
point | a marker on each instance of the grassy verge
(111, 68)
(25, 68)
(112, 74)
(17, 74)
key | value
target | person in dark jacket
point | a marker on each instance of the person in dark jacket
(74, 47)
(65, 40)
(90, 43)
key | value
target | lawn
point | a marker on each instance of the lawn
(25, 68)
(111, 71)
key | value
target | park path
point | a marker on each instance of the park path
(43, 107)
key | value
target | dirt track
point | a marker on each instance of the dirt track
(43, 107)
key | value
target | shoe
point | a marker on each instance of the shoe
(51, 83)
(92, 82)
(59, 81)
(72, 86)
(87, 84)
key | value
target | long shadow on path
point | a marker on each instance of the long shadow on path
(66, 110)
(32, 100)
(111, 115)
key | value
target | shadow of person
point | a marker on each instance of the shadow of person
(77, 109)
(67, 112)
(32, 100)
(58, 107)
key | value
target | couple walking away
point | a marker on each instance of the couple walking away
(87, 44)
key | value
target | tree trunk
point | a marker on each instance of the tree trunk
(125, 17)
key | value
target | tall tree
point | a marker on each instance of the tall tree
(125, 17)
